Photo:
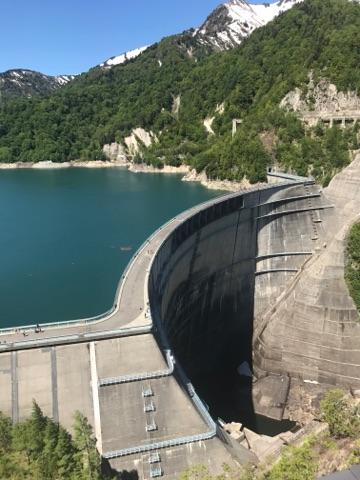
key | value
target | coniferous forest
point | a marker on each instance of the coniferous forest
(39, 448)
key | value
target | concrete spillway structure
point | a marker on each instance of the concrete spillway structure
(314, 331)
(196, 297)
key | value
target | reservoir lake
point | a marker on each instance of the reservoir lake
(66, 236)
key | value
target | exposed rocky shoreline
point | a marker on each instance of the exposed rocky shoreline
(143, 168)
(227, 185)
(190, 175)
(47, 165)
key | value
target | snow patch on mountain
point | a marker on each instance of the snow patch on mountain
(235, 20)
(64, 79)
(124, 57)
(20, 76)
(23, 82)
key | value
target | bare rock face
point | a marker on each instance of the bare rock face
(138, 138)
(176, 105)
(322, 97)
(115, 152)
(121, 153)
(262, 445)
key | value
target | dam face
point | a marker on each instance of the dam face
(202, 287)
(219, 270)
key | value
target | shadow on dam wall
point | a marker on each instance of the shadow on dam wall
(201, 288)
(205, 289)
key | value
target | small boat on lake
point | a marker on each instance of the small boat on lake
(126, 248)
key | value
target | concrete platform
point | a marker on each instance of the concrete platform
(122, 409)
(129, 355)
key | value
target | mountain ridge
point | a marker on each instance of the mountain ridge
(231, 22)
(226, 27)
(25, 82)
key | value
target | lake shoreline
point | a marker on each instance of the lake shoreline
(47, 165)
(189, 174)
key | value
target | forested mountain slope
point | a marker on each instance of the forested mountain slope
(248, 82)
(224, 28)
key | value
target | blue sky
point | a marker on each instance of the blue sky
(70, 36)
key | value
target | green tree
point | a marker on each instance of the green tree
(48, 459)
(196, 472)
(5, 433)
(65, 454)
(85, 443)
(5, 154)
(352, 268)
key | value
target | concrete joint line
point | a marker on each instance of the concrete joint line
(14, 388)
(266, 317)
(54, 385)
(95, 396)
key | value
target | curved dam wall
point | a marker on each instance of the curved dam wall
(225, 266)
(205, 270)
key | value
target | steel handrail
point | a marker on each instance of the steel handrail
(141, 376)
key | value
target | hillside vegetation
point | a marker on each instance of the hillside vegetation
(318, 455)
(38, 448)
(352, 272)
(103, 106)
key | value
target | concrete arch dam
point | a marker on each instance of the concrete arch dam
(259, 277)
(215, 281)
(255, 276)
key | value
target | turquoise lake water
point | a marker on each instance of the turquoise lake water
(61, 233)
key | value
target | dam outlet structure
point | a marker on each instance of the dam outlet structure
(221, 311)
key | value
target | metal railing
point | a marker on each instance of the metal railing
(141, 376)
(76, 338)
(159, 445)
